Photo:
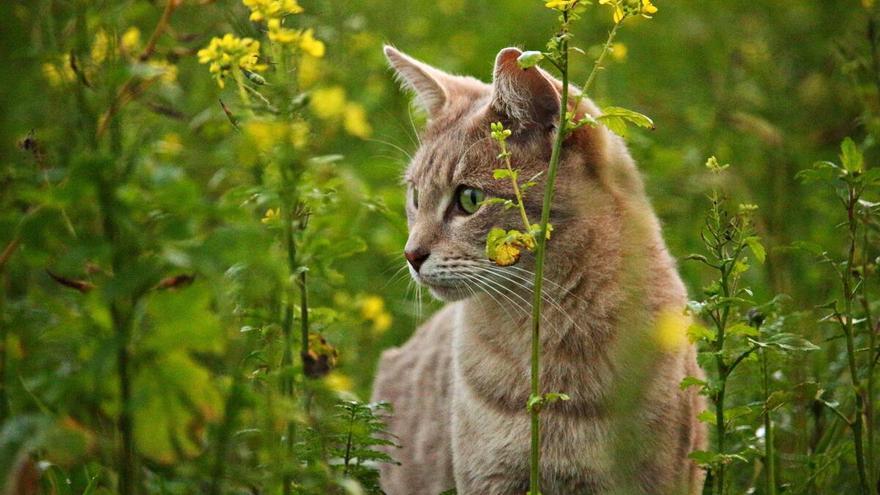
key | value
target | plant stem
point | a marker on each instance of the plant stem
(4, 342)
(230, 418)
(540, 252)
(516, 191)
(287, 359)
(598, 64)
(769, 455)
(848, 330)
(872, 346)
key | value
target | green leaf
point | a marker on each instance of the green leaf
(851, 156)
(529, 59)
(707, 417)
(820, 172)
(493, 240)
(755, 246)
(697, 332)
(742, 329)
(789, 342)
(691, 381)
(616, 119)
(502, 173)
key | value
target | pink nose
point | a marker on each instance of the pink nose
(416, 257)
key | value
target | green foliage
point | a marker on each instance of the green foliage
(135, 225)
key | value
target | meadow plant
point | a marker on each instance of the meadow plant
(504, 248)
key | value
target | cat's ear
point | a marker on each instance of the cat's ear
(430, 85)
(526, 97)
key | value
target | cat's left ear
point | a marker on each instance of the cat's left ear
(525, 96)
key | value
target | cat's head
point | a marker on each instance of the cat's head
(452, 172)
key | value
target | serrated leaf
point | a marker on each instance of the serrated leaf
(616, 119)
(697, 332)
(789, 342)
(742, 329)
(691, 381)
(755, 246)
(707, 417)
(851, 156)
(502, 173)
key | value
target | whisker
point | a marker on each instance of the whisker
(477, 281)
(388, 143)
(530, 289)
(527, 304)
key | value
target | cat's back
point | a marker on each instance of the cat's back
(416, 379)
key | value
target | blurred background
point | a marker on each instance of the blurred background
(769, 87)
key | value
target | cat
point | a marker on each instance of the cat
(459, 386)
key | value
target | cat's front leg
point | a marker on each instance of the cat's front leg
(490, 446)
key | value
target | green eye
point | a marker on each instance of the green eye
(469, 199)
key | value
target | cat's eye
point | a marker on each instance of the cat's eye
(415, 197)
(469, 199)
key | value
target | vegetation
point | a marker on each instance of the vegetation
(201, 226)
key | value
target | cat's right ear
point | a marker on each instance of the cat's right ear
(428, 83)
(527, 97)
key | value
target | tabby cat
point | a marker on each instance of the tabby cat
(460, 384)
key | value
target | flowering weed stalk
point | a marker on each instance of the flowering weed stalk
(504, 247)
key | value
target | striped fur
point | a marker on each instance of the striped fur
(460, 384)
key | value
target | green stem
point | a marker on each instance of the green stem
(4, 343)
(872, 346)
(769, 456)
(848, 295)
(597, 66)
(516, 191)
(540, 252)
(287, 359)
(230, 419)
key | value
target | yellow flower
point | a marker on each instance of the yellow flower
(648, 8)
(166, 71)
(280, 34)
(328, 103)
(560, 5)
(271, 9)
(310, 45)
(506, 255)
(58, 74)
(230, 52)
(355, 121)
(338, 382)
(271, 216)
(308, 71)
(619, 51)
(130, 40)
(264, 134)
(100, 47)
(670, 329)
(373, 310)
(371, 307)
(299, 134)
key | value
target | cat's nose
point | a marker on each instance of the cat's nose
(416, 257)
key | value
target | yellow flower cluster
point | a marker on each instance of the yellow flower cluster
(264, 135)
(625, 8)
(273, 13)
(100, 47)
(332, 104)
(59, 73)
(230, 52)
(271, 9)
(560, 5)
(373, 310)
